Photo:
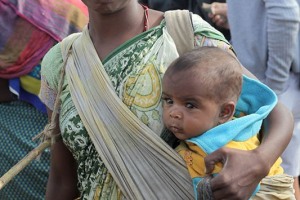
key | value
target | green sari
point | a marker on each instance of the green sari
(135, 69)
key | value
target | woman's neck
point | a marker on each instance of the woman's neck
(108, 31)
(128, 21)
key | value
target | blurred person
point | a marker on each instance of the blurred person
(265, 36)
(194, 6)
(28, 31)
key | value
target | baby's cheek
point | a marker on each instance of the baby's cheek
(165, 117)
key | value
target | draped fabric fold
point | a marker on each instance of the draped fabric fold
(142, 164)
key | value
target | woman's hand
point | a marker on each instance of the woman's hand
(242, 171)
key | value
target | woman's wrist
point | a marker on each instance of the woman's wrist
(264, 163)
(278, 129)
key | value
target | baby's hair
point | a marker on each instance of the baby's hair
(218, 71)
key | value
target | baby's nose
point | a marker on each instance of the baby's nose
(175, 114)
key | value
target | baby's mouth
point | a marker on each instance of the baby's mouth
(175, 129)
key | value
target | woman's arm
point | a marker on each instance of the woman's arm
(243, 170)
(62, 181)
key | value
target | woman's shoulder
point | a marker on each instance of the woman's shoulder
(155, 18)
(203, 28)
(53, 57)
(52, 64)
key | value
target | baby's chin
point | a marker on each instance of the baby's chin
(185, 136)
(181, 136)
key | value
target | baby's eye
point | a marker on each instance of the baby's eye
(190, 105)
(168, 101)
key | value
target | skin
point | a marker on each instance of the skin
(109, 16)
(119, 17)
(6, 95)
(189, 113)
(62, 181)
(218, 14)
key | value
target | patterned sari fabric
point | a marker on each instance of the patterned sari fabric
(34, 27)
(135, 69)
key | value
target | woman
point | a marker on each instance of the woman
(132, 41)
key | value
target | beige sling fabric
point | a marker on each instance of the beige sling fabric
(176, 21)
(278, 187)
(141, 163)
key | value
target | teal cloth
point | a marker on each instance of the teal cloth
(257, 101)
(19, 122)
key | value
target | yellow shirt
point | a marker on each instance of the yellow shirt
(194, 157)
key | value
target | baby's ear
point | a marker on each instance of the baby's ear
(227, 111)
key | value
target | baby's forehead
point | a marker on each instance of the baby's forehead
(195, 68)
(185, 79)
(183, 75)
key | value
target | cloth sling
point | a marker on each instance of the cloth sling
(180, 27)
(141, 163)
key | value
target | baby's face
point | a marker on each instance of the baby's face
(187, 111)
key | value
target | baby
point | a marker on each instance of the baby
(209, 104)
